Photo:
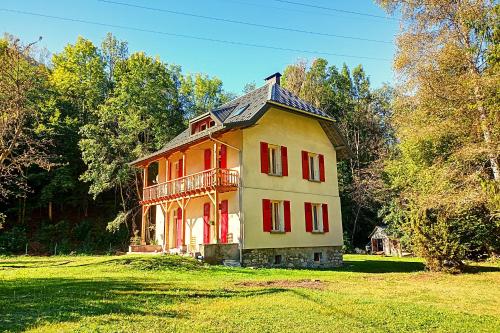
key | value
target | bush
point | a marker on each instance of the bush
(13, 241)
(446, 241)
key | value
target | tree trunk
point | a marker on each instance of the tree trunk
(495, 168)
(50, 210)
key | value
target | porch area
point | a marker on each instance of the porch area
(184, 214)
(190, 197)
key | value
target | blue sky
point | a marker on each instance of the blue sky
(236, 65)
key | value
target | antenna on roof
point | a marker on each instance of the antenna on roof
(274, 78)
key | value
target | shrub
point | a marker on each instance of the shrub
(446, 241)
(13, 240)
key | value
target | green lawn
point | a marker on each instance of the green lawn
(170, 293)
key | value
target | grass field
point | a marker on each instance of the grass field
(171, 293)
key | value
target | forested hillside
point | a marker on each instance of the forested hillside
(70, 123)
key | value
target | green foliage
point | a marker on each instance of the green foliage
(444, 172)
(79, 76)
(200, 93)
(143, 113)
(13, 240)
(100, 108)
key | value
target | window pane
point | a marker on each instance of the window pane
(276, 217)
(315, 217)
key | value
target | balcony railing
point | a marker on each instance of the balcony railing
(221, 179)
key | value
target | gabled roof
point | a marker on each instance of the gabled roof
(247, 109)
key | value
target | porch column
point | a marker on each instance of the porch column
(183, 208)
(144, 225)
(216, 218)
(144, 208)
(168, 206)
(145, 180)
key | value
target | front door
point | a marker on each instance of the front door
(223, 221)
(206, 223)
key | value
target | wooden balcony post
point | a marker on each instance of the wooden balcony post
(145, 180)
(143, 225)
(183, 222)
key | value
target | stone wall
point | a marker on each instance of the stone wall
(217, 253)
(296, 257)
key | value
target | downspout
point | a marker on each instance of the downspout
(240, 194)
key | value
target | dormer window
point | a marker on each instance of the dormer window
(200, 125)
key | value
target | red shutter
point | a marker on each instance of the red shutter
(206, 223)
(181, 169)
(223, 156)
(305, 165)
(208, 159)
(266, 215)
(326, 227)
(264, 158)
(284, 161)
(308, 216)
(224, 219)
(288, 223)
(179, 227)
(321, 159)
(169, 170)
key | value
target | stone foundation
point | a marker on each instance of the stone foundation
(294, 257)
(145, 248)
(218, 253)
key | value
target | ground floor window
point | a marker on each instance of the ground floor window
(277, 215)
(317, 217)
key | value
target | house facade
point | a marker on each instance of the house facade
(254, 181)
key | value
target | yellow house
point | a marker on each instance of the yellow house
(254, 182)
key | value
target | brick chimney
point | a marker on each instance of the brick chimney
(274, 78)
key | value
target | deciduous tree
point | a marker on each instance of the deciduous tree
(445, 174)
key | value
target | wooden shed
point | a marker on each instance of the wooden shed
(382, 243)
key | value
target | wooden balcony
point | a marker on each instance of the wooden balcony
(221, 180)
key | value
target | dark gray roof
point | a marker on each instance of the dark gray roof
(247, 109)
(285, 97)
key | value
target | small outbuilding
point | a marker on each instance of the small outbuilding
(382, 243)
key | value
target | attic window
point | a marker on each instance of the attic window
(240, 110)
(202, 125)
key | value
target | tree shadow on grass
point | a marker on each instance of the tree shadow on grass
(381, 266)
(26, 303)
(397, 266)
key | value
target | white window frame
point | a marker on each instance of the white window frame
(313, 167)
(277, 216)
(317, 217)
(275, 160)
